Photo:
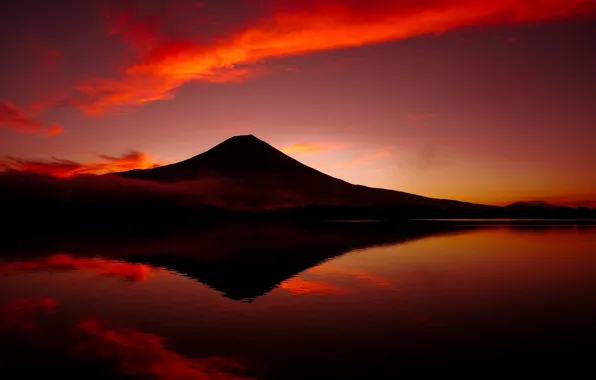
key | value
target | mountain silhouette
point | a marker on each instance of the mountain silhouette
(531, 204)
(253, 164)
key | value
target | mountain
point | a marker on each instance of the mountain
(251, 163)
(531, 204)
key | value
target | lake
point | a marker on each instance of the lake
(333, 301)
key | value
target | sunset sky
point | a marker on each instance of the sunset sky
(488, 101)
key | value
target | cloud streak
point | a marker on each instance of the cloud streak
(58, 167)
(381, 153)
(17, 120)
(305, 148)
(287, 29)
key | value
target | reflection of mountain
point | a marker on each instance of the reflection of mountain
(255, 260)
(243, 261)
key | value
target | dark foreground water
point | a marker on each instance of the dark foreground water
(287, 302)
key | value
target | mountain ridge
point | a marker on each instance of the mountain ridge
(248, 161)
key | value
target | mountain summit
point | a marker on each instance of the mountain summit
(239, 158)
(251, 163)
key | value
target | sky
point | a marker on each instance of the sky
(475, 100)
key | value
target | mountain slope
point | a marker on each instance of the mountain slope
(254, 164)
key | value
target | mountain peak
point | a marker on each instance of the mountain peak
(241, 144)
(244, 137)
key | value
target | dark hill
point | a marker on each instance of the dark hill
(254, 164)
(530, 204)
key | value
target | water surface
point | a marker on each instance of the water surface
(283, 302)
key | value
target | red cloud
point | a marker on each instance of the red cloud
(292, 28)
(66, 168)
(128, 271)
(15, 119)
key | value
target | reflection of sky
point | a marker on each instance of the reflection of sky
(474, 282)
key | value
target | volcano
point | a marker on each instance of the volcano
(254, 164)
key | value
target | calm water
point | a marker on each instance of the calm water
(281, 302)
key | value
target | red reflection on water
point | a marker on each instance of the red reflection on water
(20, 314)
(359, 274)
(133, 352)
(296, 286)
(128, 271)
(143, 354)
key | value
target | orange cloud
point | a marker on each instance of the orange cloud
(66, 168)
(128, 271)
(296, 28)
(145, 355)
(17, 120)
(370, 156)
(311, 147)
(296, 286)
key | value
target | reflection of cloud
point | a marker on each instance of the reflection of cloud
(66, 168)
(20, 314)
(296, 286)
(17, 120)
(133, 352)
(359, 274)
(128, 271)
(311, 147)
(288, 28)
(142, 354)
